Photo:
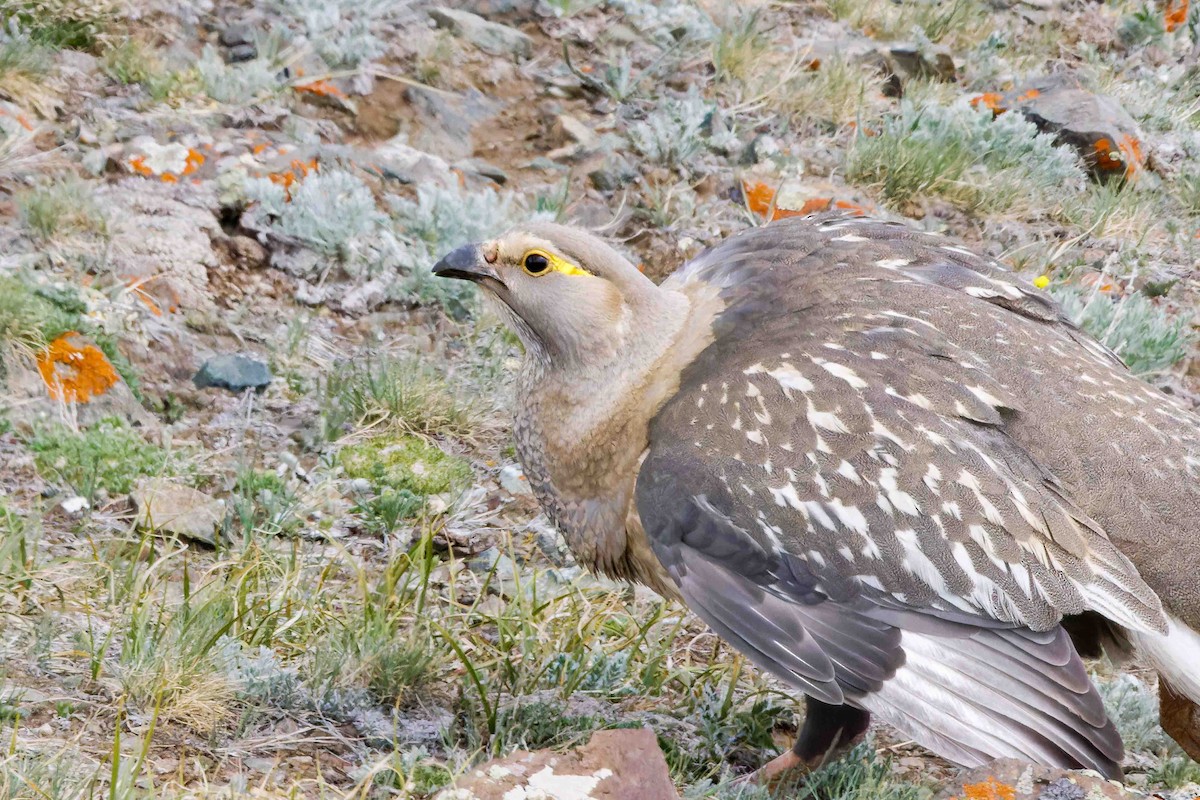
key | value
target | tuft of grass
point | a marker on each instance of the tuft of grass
(136, 63)
(34, 776)
(33, 316)
(60, 208)
(395, 393)
(264, 503)
(170, 665)
(108, 455)
(1117, 209)
(1149, 339)
(58, 24)
(18, 551)
(862, 774)
(22, 321)
(384, 647)
(20, 55)
(964, 156)
(834, 94)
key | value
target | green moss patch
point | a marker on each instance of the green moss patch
(109, 455)
(405, 463)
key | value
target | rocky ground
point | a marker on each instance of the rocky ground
(262, 532)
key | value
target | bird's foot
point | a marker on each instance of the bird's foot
(788, 766)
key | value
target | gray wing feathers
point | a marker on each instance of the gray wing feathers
(835, 491)
(990, 696)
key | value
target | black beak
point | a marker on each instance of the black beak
(466, 263)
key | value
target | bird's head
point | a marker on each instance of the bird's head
(573, 300)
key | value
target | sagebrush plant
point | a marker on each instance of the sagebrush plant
(672, 132)
(668, 24)
(1133, 708)
(1149, 339)
(961, 22)
(962, 154)
(344, 33)
(333, 212)
(439, 219)
(246, 82)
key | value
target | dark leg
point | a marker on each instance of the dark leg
(827, 732)
(1180, 718)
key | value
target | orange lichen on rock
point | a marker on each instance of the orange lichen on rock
(138, 165)
(991, 789)
(993, 101)
(194, 159)
(759, 197)
(1175, 15)
(75, 374)
(297, 171)
(1125, 156)
(1131, 149)
(320, 88)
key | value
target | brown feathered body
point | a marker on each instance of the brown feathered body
(885, 468)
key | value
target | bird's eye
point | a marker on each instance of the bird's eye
(536, 263)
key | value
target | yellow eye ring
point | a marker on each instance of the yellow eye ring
(537, 263)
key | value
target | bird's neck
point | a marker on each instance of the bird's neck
(581, 433)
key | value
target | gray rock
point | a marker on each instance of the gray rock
(446, 121)
(181, 510)
(241, 52)
(364, 298)
(927, 61)
(395, 160)
(1008, 777)
(492, 558)
(233, 372)
(1096, 126)
(484, 169)
(513, 479)
(490, 37)
(517, 9)
(613, 764)
(235, 34)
